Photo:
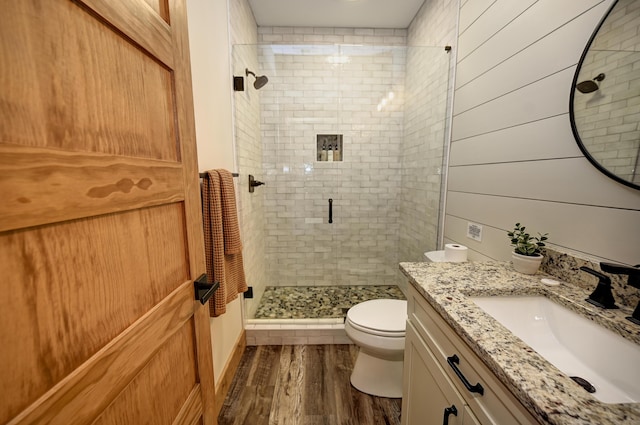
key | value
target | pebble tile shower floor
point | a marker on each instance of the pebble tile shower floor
(318, 302)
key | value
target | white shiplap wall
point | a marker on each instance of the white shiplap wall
(513, 156)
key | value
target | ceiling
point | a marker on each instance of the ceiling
(335, 13)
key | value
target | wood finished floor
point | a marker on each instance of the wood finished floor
(302, 385)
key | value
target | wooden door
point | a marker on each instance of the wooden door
(100, 222)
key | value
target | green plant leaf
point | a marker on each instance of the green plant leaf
(524, 243)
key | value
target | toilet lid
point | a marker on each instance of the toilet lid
(380, 315)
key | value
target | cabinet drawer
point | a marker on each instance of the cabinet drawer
(497, 405)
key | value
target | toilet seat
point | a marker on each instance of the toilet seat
(380, 317)
(376, 332)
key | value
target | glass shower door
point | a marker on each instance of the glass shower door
(384, 108)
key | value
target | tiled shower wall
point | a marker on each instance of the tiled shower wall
(332, 88)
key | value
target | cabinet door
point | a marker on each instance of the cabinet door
(428, 395)
(468, 418)
(497, 405)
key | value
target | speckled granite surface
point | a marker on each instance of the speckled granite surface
(567, 268)
(318, 302)
(547, 393)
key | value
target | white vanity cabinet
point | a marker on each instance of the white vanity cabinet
(431, 384)
(432, 397)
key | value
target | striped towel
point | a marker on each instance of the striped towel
(223, 247)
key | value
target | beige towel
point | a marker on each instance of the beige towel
(223, 248)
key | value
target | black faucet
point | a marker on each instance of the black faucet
(602, 296)
(634, 280)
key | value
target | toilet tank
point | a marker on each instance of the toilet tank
(434, 256)
(452, 253)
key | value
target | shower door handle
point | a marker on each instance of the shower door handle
(330, 210)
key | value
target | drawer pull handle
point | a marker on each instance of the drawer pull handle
(449, 411)
(454, 361)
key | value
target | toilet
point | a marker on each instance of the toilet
(378, 327)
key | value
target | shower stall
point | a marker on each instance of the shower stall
(320, 229)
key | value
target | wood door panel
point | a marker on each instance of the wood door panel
(58, 93)
(91, 388)
(172, 372)
(192, 409)
(31, 180)
(161, 7)
(65, 281)
(145, 23)
(101, 230)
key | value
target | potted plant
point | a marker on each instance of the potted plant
(527, 250)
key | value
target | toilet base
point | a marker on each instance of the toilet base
(378, 377)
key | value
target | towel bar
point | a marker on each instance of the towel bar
(203, 175)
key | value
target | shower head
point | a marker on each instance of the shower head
(589, 86)
(260, 81)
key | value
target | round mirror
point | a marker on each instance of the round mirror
(605, 97)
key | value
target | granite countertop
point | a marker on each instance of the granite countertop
(550, 395)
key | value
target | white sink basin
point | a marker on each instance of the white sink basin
(575, 345)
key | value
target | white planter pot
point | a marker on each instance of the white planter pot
(526, 264)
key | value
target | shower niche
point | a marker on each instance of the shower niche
(329, 148)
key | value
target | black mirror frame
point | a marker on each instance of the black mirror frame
(574, 129)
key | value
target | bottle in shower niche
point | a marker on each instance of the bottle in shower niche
(336, 153)
(330, 154)
(323, 152)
